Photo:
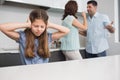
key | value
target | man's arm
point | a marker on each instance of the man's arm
(83, 33)
(110, 28)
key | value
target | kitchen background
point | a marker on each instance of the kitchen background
(17, 12)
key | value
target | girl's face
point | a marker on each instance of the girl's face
(38, 27)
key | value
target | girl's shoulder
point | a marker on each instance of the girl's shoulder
(22, 33)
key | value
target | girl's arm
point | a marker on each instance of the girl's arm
(62, 31)
(79, 25)
(9, 29)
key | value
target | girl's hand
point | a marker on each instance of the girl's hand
(49, 25)
(29, 23)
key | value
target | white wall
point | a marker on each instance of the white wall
(11, 14)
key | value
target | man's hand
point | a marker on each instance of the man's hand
(110, 28)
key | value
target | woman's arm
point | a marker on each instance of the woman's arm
(62, 31)
(79, 25)
(9, 29)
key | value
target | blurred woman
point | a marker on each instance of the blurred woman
(70, 44)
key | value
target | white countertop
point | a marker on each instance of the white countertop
(103, 68)
(15, 50)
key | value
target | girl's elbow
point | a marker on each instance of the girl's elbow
(1, 27)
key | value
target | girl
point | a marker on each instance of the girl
(33, 41)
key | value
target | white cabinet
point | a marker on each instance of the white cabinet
(58, 4)
(82, 5)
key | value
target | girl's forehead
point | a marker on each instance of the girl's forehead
(38, 21)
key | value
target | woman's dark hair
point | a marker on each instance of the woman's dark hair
(42, 48)
(93, 2)
(70, 9)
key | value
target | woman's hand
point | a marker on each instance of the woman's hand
(83, 14)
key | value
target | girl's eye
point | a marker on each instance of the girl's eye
(42, 26)
(36, 26)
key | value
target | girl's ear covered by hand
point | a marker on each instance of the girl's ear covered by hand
(29, 22)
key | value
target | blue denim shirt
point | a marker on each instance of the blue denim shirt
(97, 34)
(37, 59)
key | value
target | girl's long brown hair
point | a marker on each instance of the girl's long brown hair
(71, 8)
(42, 48)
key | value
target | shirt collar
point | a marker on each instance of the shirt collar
(96, 14)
